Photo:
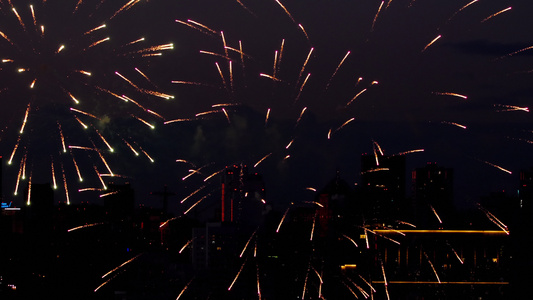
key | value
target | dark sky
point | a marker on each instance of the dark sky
(406, 95)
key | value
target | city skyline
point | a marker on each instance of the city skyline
(326, 230)
(463, 98)
(379, 171)
(157, 99)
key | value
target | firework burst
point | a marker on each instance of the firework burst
(69, 77)
(341, 99)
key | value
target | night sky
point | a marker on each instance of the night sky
(461, 98)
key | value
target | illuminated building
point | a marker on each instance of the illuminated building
(231, 192)
(433, 194)
(242, 196)
(383, 185)
(447, 261)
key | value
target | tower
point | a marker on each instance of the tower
(432, 192)
(241, 192)
(231, 192)
(40, 208)
(336, 203)
(1, 179)
(164, 194)
(525, 193)
(383, 184)
(522, 241)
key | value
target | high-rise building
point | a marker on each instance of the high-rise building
(383, 184)
(336, 205)
(242, 195)
(520, 227)
(39, 208)
(214, 246)
(432, 193)
(525, 193)
(165, 194)
(41, 197)
(1, 179)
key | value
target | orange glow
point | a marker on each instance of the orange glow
(447, 282)
(457, 231)
(348, 266)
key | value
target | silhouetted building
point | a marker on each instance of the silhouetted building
(41, 197)
(1, 179)
(165, 194)
(242, 196)
(76, 216)
(214, 246)
(119, 201)
(11, 221)
(336, 205)
(521, 233)
(383, 185)
(433, 195)
(525, 194)
(39, 207)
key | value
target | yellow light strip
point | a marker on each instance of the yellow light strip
(500, 232)
(446, 282)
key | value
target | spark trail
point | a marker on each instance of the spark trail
(432, 267)
(237, 276)
(515, 52)
(248, 242)
(262, 159)
(355, 97)
(495, 14)
(511, 108)
(282, 219)
(461, 9)
(450, 94)
(184, 289)
(337, 69)
(431, 43)
(385, 282)
(497, 167)
(84, 226)
(376, 16)
(304, 65)
(350, 239)
(493, 219)
(286, 11)
(185, 246)
(121, 265)
(435, 213)
(454, 124)
(196, 203)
